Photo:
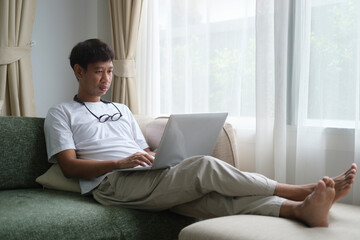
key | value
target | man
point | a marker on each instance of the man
(91, 138)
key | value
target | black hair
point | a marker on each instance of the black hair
(90, 51)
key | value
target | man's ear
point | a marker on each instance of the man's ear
(79, 71)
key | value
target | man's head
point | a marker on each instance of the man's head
(90, 51)
(91, 61)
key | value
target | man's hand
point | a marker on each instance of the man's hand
(149, 152)
(137, 159)
(73, 167)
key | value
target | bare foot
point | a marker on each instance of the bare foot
(314, 210)
(344, 182)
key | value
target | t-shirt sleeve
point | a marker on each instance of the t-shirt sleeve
(58, 134)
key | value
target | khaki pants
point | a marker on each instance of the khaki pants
(201, 187)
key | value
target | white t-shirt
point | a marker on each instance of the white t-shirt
(70, 125)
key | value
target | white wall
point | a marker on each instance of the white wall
(58, 26)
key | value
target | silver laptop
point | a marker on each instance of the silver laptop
(186, 135)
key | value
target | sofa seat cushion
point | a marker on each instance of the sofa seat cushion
(51, 214)
(344, 224)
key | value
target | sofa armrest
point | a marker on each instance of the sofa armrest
(225, 148)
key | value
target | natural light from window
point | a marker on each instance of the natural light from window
(208, 59)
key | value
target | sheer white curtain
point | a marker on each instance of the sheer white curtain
(195, 53)
(286, 71)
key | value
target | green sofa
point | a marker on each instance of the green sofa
(27, 211)
(30, 211)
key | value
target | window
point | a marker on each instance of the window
(207, 52)
(334, 62)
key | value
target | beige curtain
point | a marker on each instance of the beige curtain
(16, 84)
(125, 19)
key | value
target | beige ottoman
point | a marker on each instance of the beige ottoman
(344, 225)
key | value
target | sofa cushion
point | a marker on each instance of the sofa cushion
(23, 157)
(50, 214)
(344, 224)
(55, 179)
(154, 131)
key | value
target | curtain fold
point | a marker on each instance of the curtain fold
(16, 84)
(147, 52)
(356, 195)
(272, 66)
(265, 88)
(283, 61)
(125, 19)
(309, 140)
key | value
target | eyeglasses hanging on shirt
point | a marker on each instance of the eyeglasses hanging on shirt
(105, 117)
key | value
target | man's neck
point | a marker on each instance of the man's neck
(88, 98)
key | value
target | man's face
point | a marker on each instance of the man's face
(95, 81)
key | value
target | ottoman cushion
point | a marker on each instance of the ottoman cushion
(344, 224)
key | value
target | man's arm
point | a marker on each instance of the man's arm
(73, 167)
